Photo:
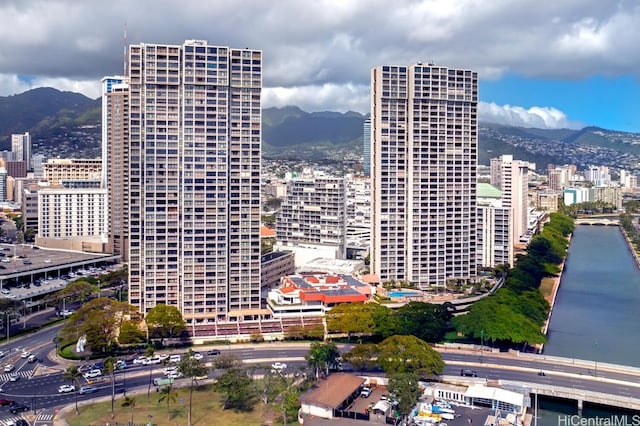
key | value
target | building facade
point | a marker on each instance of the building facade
(366, 147)
(495, 230)
(424, 133)
(194, 180)
(312, 218)
(59, 169)
(512, 178)
(72, 219)
(115, 160)
(21, 146)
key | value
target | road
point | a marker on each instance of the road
(40, 391)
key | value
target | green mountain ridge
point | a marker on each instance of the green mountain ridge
(289, 132)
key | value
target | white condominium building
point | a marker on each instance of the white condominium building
(312, 218)
(194, 181)
(424, 133)
(512, 177)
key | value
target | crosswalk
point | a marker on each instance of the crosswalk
(22, 373)
(42, 418)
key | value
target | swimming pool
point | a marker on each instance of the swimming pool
(404, 294)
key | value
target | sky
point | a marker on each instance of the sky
(546, 64)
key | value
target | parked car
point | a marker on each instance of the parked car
(66, 388)
(197, 355)
(87, 389)
(213, 352)
(17, 407)
(365, 392)
(175, 358)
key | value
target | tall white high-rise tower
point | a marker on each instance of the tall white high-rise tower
(194, 181)
(424, 133)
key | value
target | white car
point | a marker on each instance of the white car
(139, 360)
(170, 370)
(175, 375)
(92, 374)
(14, 377)
(8, 368)
(153, 360)
(278, 366)
(175, 358)
(66, 388)
(197, 355)
(25, 354)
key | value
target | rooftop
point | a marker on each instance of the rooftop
(332, 391)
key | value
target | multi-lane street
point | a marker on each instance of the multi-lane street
(38, 383)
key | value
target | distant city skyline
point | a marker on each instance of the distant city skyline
(551, 65)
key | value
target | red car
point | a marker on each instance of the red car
(4, 402)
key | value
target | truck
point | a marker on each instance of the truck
(163, 382)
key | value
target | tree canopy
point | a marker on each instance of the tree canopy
(165, 321)
(409, 354)
(98, 320)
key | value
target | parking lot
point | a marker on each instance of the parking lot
(27, 271)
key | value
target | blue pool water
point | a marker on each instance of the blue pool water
(403, 294)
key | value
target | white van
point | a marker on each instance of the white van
(175, 358)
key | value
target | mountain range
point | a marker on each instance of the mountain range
(50, 115)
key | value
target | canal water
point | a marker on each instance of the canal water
(596, 315)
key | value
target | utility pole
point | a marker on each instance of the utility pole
(481, 344)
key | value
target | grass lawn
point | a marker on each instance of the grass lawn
(207, 410)
(546, 287)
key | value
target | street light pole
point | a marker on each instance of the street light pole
(481, 344)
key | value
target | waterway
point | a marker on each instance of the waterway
(596, 315)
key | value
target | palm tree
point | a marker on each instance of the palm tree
(167, 394)
(149, 353)
(129, 401)
(73, 374)
(110, 368)
(191, 367)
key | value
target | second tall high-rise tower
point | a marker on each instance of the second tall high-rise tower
(424, 134)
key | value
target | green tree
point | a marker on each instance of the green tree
(167, 395)
(426, 321)
(361, 356)
(98, 320)
(405, 389)
(165, 321)
(130, 333)
(238, 389)
(497, 321)
(129, 401)
(73, 374)
(191, 368)
(322, 356)
(360, 319)
(409, 354)
(77, 291)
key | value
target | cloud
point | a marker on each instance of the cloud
(329, 45)
(538, 117)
